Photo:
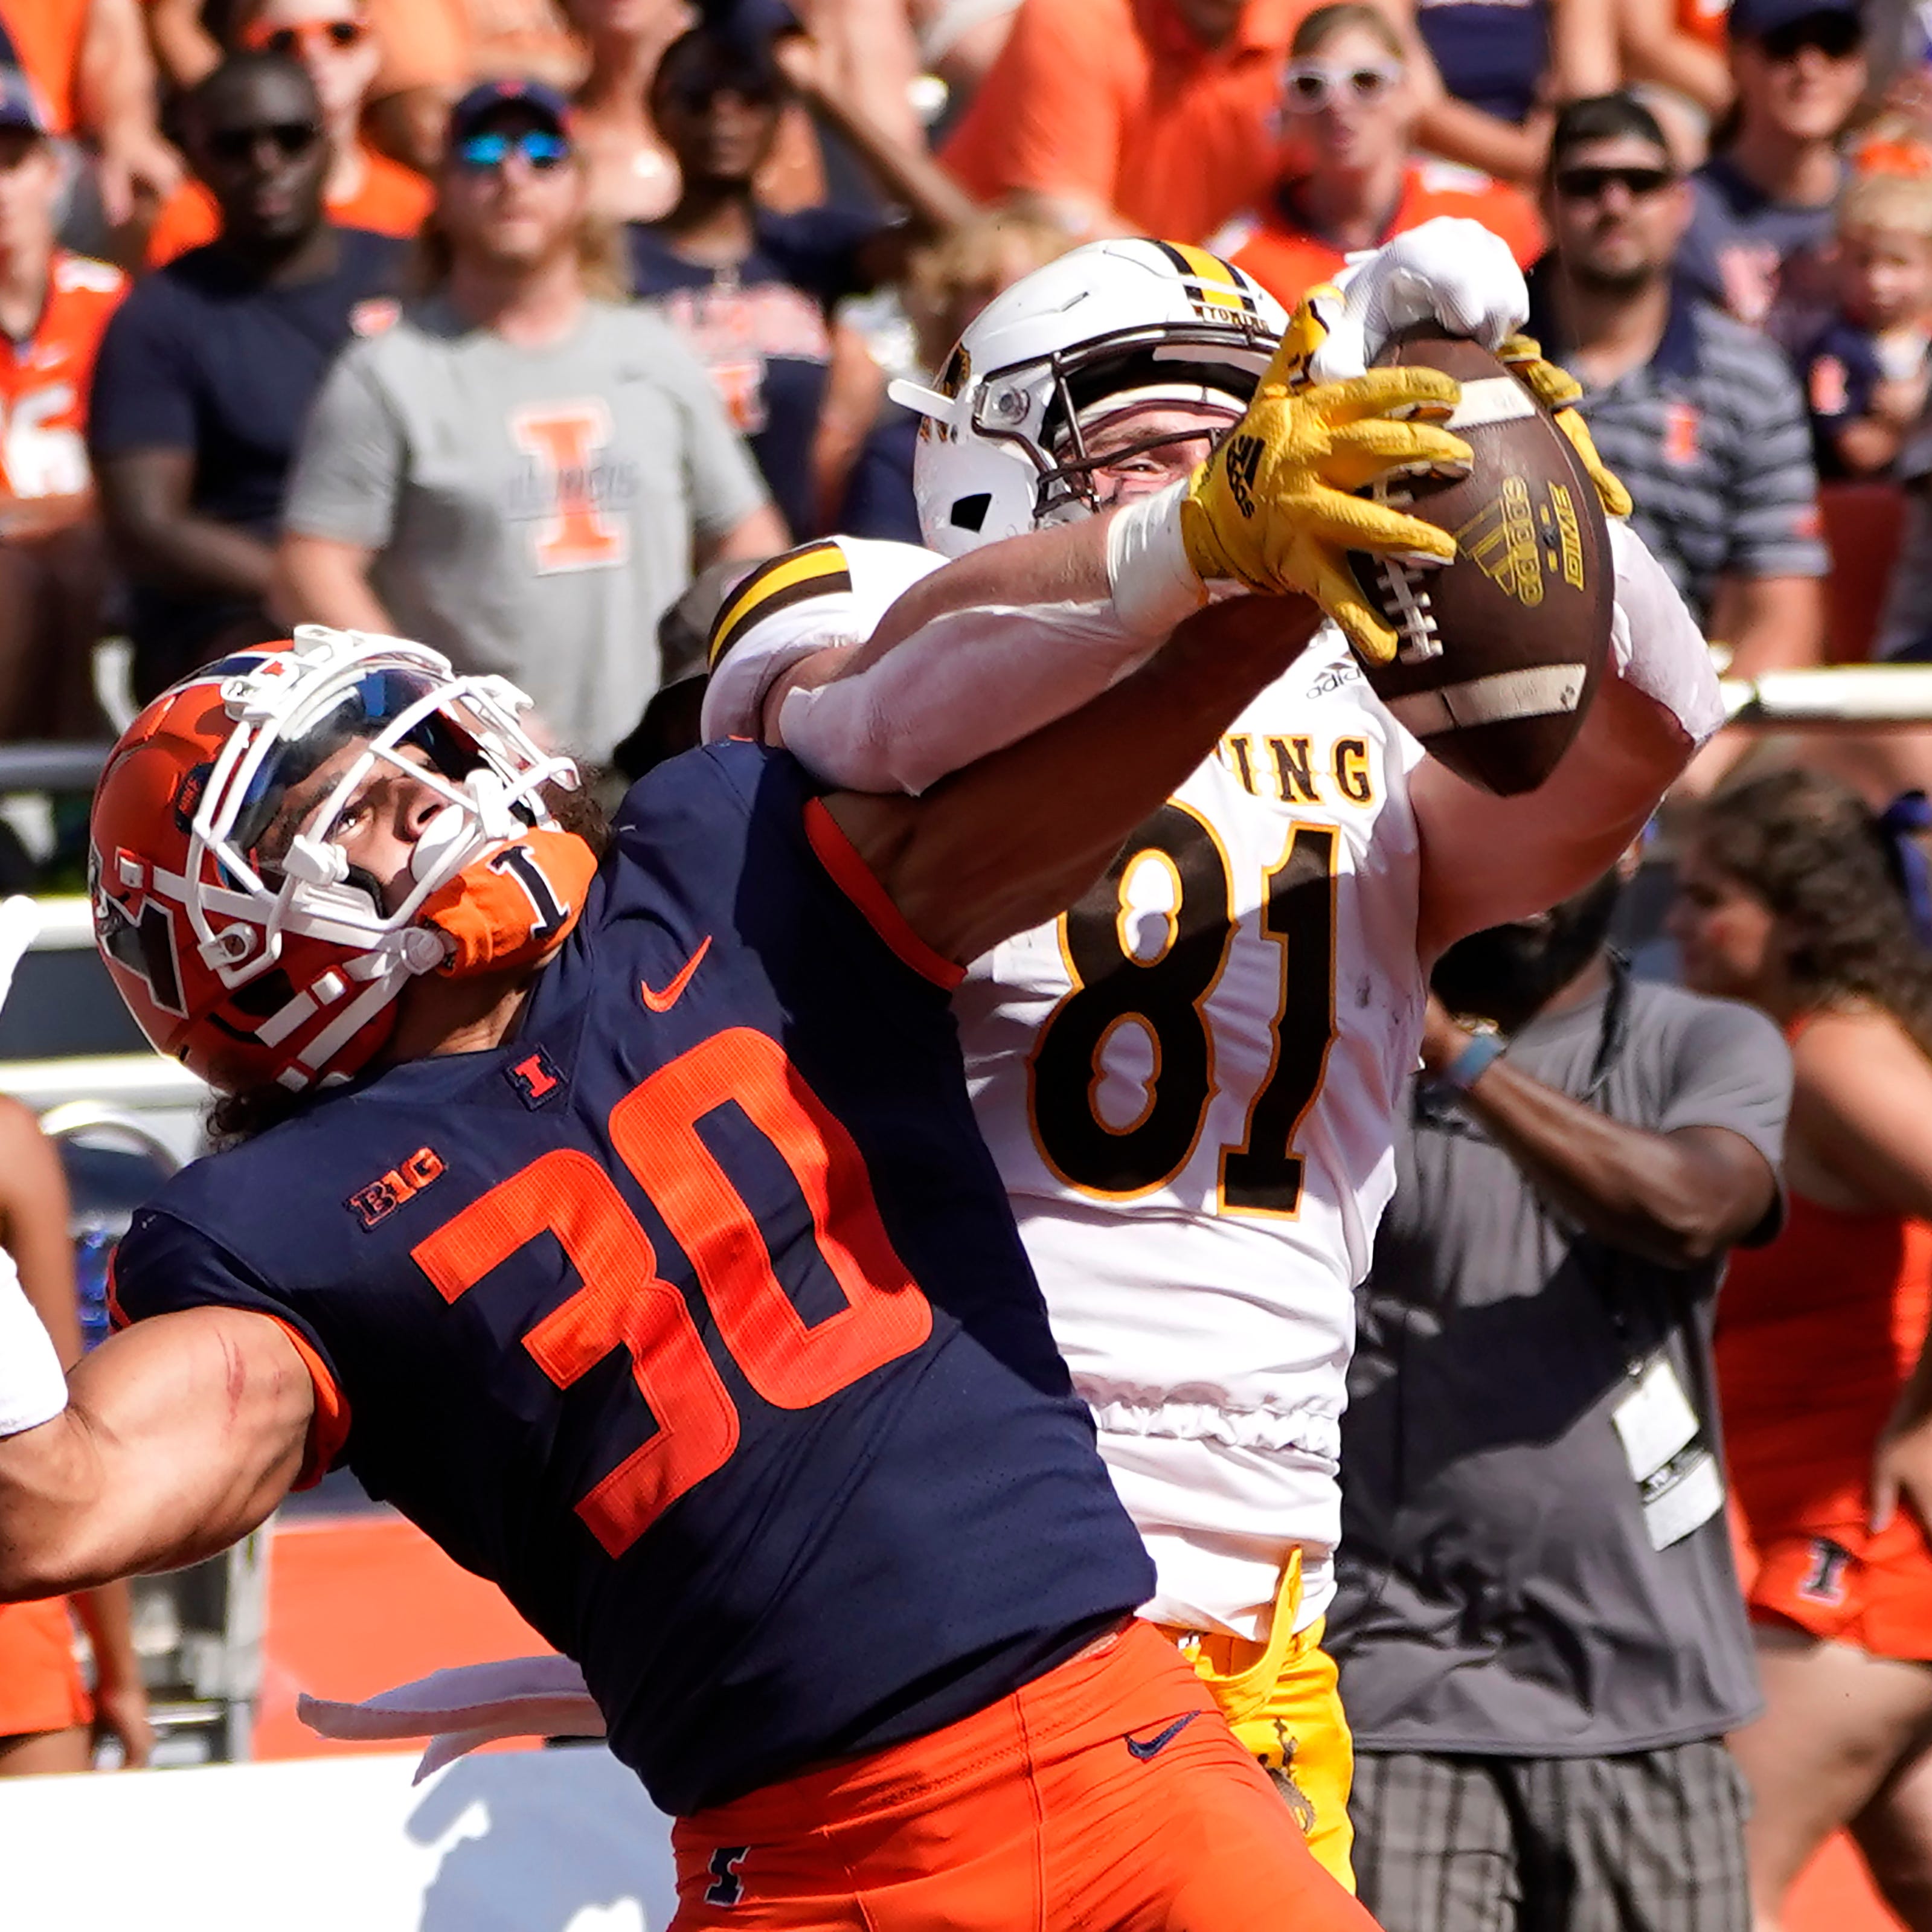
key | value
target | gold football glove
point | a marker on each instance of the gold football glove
(1559, 391)
(1274, 507)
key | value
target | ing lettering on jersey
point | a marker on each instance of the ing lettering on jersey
(573, 487)
(1354, 775)
(1295, 771)
(624, 1305)
(1162, 992)
(404, 1182)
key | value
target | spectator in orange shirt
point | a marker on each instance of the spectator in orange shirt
(1150, 117)
(53, 307)
(1348, 91)
(332, 39)
(92, 74)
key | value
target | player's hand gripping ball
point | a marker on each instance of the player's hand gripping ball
(1275, 507)
(1500, 649)
(1559, 392)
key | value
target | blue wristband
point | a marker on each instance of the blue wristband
(1463, 1072)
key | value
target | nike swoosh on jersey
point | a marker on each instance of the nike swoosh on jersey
(1146, 1747)
(663, 1002)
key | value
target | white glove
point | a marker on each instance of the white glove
(1450, 270)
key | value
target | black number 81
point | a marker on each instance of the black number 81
(1166, 994)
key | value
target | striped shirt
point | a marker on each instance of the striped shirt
(1711, 439)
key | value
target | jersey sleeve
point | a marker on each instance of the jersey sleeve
(348, 474)
(164, 1266)
(819, 595)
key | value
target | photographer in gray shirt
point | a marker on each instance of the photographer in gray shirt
(1539, 1630)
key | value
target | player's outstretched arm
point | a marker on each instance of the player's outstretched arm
(1005, 640)
(1016, 837)
(174, 1439)
(1487, 860)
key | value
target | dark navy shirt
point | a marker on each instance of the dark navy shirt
(1841, 369)
(694, 1317)
(762, 327)
(1491, 53)
(1752, 256)
(202, 357)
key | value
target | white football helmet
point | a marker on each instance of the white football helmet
(1127, 321)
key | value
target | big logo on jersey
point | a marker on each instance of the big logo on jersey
(577, 490)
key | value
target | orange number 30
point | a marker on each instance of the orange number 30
(625, 1304)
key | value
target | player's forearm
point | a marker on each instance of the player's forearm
(1066, 564)
(180, 1435)
(1014, 839)
(1001, 650)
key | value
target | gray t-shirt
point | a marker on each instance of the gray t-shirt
(1498, 1590)
(533, 510)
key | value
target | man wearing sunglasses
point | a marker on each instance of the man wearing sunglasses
(526, 470)
(1700, 416)
(207, 372)
(1763, 206)
(331, 40)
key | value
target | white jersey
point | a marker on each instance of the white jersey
(1188, 1082)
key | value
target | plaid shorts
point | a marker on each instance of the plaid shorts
(1647, 1841)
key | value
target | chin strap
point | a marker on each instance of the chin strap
(512, 904)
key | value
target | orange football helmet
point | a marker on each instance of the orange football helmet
(245, 944)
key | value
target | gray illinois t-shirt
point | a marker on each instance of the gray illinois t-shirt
(1498, 1589)
(532, 510)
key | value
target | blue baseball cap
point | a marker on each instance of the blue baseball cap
(1753, 20)
(536, 98)
(19, 109)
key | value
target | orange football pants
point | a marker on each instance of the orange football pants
(1108, 1795)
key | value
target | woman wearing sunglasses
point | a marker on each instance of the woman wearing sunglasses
(332, 40)
(1349, 107)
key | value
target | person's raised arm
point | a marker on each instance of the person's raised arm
(1074, 609)
(179, 1437)
(934, 202)
(1014, 838)
(115, 93)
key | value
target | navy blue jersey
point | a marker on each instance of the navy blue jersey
(762, 327)
(206, 357)
(695, 1316)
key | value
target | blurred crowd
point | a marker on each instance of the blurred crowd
(268, 266)
(275, 275)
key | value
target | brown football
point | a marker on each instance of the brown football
(1500, 649)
